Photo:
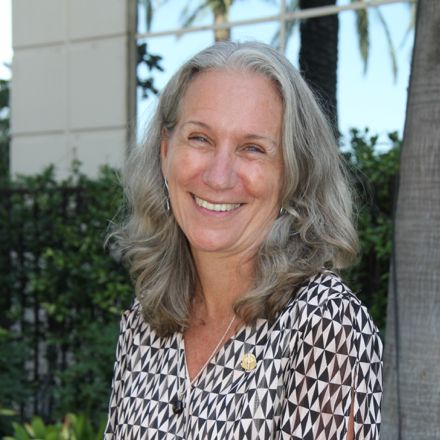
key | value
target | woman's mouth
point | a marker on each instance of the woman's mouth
(218, 207)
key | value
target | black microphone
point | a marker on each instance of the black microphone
(177, 406)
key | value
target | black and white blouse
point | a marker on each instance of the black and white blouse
(319, 357)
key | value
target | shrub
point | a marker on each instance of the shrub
(61, 293)
(74, 427)
(374, 170)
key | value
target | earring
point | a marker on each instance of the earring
(167, 198)
(282, 212)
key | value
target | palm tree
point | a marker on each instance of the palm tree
(412, 357)
(318, 56)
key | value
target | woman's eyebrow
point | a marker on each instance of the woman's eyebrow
(248, 136)
(258, 137)
(199, 123)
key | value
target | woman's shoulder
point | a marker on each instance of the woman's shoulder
(131, 317)
(135, 331)
(316, 291)
(326, 296)
(321, 287)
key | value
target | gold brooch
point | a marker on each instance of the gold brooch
(248, 362)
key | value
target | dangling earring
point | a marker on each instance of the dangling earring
(282, 212)
(167, 197)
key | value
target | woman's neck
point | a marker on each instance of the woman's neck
(222, 280)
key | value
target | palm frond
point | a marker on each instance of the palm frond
(412, 21)
(391, 48)
(148, 6)
(149, 15)
(362, 26)
(188, 17)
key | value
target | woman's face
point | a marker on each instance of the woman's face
(223, 161)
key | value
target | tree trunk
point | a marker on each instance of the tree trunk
(411, 406)
(221, 17)
(318, 56)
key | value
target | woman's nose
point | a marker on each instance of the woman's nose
(220, 171)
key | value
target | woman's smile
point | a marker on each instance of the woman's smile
(216, 207)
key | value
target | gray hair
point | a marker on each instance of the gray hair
(315, 232)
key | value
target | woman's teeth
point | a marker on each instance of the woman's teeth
(220, 207)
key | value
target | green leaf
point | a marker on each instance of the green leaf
(20, 432)
(362, 25)
(391, 48)
(7, 412)
(38, 427)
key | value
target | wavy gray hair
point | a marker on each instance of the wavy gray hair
(315, 232)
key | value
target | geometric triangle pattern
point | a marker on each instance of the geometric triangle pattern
(320, 359)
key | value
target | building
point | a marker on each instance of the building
(73, 83)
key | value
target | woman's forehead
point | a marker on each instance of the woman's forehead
(239, 93)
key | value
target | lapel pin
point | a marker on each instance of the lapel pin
(248, 362)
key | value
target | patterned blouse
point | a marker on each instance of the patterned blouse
(319, 357)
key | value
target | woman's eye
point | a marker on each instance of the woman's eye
(198, 138)
(254, 149)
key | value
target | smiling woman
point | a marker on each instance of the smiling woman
(239, 217)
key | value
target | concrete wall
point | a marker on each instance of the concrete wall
(73, 79)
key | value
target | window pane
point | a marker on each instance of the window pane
(174, 52)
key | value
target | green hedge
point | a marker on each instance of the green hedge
(61, 294)
(374, 167)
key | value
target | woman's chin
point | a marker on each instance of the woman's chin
(220, 244)
(211, 247)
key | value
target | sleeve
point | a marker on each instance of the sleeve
(337, 363)
(111, 430)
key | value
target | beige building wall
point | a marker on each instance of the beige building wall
(73, 83)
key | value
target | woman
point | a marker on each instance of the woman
(238, 210)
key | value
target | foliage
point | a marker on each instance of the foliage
(74, 427)
(374, 173)
(60, 293)
(89, 378)
(12, 358)
(146, 63)
(7, 417)
(363, 33)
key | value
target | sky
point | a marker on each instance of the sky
(375, 99)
